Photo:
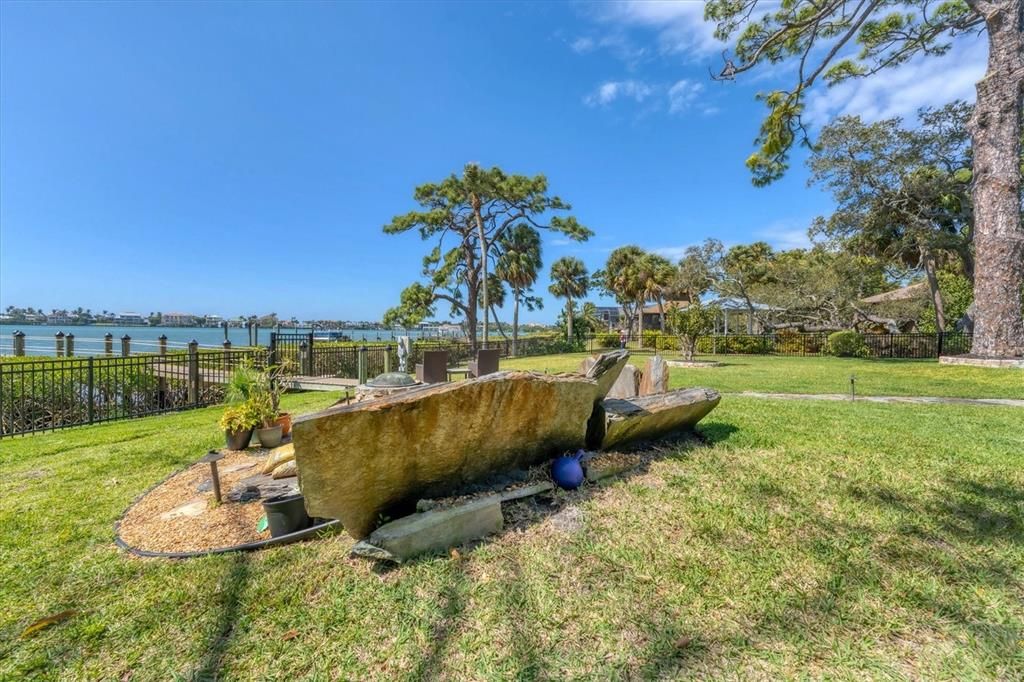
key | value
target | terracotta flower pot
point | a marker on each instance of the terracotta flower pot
(284, 420)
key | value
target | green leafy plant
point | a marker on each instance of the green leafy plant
(242, 384)
(239, 417)
(847, 344)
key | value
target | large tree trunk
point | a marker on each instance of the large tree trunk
(640, 322)
(568, 318)
(475, 202)
(928, 259)
(472, 292)
(998, 232)
(515, 325)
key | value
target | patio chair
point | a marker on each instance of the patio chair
(434, 368)
(486, 362)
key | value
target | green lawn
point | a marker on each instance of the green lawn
(821, 540)
(779, 374)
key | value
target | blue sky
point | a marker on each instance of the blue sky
(242, 157)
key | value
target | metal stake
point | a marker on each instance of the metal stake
(213, 456)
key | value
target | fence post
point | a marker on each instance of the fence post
(226, 355)
(126, 345)
(310, 356)
(70, 349)
(193, 372)
(92, 392)
(362, 364)
(163, 344)
(272, 354)
(19, 343)
(387, 358)
(304, 362)
(59, 342)
(108, 344)
(939, 353)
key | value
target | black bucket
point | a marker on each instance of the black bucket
(286, 514)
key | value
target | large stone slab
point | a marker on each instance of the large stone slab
(655, 416)
(627, 385)
(433, 531)
(605, 368)
(655, 376)
(357, 462)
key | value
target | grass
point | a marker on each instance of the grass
(780, 374)
(826, 540)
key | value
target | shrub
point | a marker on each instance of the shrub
(606, 340)
(846, 344)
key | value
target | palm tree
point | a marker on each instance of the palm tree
(657, 280)
(518, 266)
(623, 278)
(569, 280)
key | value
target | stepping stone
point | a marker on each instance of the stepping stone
(191, 508)
(432, 531)
(241, 466)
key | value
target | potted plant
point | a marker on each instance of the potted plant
(274, 385)
(238, 422)
(268, 432)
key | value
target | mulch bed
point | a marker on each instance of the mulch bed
(177, 517)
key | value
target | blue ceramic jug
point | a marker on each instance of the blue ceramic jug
(567, 471)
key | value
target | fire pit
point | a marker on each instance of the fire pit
(386, 384)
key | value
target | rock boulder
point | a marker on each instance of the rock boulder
(358, 462)
(627, 384)
(655, 416)
(655, 376)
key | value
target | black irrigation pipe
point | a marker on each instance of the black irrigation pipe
(326, 528)
(314, 531)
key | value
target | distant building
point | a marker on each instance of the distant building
(738, 318)
(130, 320)
(177, 319)
(59, 318)
(609, 315)
(213, 321)
(652, 313)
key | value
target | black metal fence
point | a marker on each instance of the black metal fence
(917, 346)
(309, 356)
(42, 395)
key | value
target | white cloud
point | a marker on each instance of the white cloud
(682, 94)
(680, 26)
(582, 45)
(901, 91)
(677, 97)
(785, 234)
(608, 92)
(673, 253)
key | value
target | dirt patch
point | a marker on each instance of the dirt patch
(180, 514)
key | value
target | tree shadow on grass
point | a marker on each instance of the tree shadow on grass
(453, 604)
(231, 591)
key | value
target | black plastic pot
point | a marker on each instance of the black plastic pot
(286, 514)
(238, 440)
